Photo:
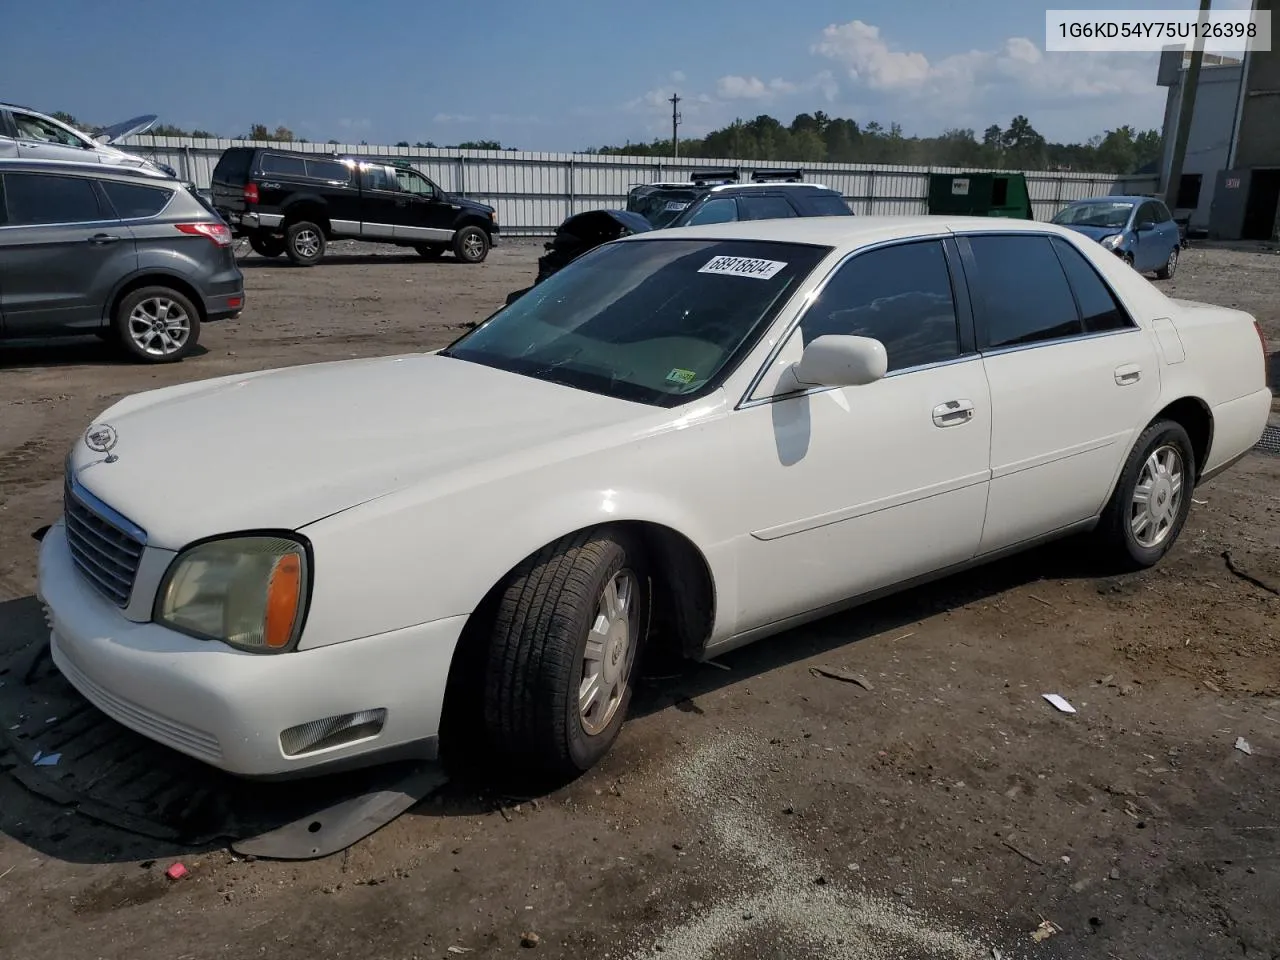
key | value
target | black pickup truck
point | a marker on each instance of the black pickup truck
(293, 203)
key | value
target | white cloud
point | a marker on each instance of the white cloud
(752, 88)
(868, 58)
(513, 118)
(677, 76)
(358, 123)
(453, 118)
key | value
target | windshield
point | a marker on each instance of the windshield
(656, 321)
(1110, 213)
(661, 205)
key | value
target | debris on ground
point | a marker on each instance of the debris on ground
(1243, 746)
(1046, 930)
(176, 872)
(1059, 702)
(835, 673)
(529, 939)
(1248, 577)
(1023, 854)
(459, 949)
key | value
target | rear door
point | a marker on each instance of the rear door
(61, 253)
(1072, 378)
(428, 218)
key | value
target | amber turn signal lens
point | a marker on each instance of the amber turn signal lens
(283, 595)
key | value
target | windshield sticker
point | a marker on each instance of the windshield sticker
(681, 376)
(743, 267)
(675, 205)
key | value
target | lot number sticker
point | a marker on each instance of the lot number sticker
(743, 267)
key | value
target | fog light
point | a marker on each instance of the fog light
(332, 732)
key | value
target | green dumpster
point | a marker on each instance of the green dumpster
(980, 195)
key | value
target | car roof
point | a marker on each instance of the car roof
(83, 166)
(849, 232)
(1115, 197)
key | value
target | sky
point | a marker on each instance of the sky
(557, 75)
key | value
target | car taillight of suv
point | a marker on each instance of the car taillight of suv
(250, 193)
(219, 233)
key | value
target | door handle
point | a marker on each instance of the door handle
(1128, 374)
(953, 413)
(98, 239)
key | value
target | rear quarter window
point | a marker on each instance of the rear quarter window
(134, 201)
(327, 170)
(827, 205)
(276, 164)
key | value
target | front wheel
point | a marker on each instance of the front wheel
(1170, 266)
(1150, 503)
(570, 624)
(157, 325)
(471, 245)
(304, 243)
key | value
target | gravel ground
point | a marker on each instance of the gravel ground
(751, 808)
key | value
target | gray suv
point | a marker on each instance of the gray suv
(128, 254)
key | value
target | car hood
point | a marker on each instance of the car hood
(1094, 233)
(283, 448)
(469, 203)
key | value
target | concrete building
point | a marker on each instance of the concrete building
(1212, 129)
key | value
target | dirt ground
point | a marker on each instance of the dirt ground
(752, 807)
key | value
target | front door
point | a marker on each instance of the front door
(61, 254)
(849, 490)
(382, 203)
(1072, 377)
(429, 216)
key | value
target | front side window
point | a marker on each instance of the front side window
(379, 177)
(719, 210)
(1148, 215)
(765, 208)
(900, 295)
(1021, 292)
(31, 127)
(413, 182)
(34, 198)
(133, 201)
(656, 321)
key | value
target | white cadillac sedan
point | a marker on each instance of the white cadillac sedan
(703, 436)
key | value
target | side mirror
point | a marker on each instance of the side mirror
(1146, 225)
(840, 361)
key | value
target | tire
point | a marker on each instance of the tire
(1170, 266)
(430, 251)
(538, 652)
(148, 322)
(304, 243)
(265, 245)
(1134, 549)
(471, 244)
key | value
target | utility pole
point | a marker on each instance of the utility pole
(1190, 84)
(675, 124)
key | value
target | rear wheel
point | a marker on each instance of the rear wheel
(157, 325)
(431, 251)
(265, 245)
(471, 244)
(1150, 503)
(304, 243)
(564, 640)
(1170, 266)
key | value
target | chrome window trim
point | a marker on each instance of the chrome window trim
(1097, 334)
(745, 400)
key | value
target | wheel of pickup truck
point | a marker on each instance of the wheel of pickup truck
(471, 244)
(430, 251)
(265, 245)
(304, 243)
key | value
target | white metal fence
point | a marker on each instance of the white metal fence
(535, 192)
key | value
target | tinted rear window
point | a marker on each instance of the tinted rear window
(233, 165)
(328, 170)
(1022, 292)
(283, 166)
(133, 201)
(39, 198)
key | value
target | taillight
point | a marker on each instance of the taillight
(1262, 339)
(250, 193)
(219, 233)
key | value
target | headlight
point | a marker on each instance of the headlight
(1112, 241)
(249, 592)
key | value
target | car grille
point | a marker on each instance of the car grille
(104, 551)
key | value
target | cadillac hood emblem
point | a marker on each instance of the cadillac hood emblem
(102, 438)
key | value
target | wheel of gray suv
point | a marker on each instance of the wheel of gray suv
(430, 251)
(1150, 503)
(1170, 266)
(304, 243)
(568, 629)
(265, 245)
(157, 325)
(471, 244)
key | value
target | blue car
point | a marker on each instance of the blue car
(1140, 230)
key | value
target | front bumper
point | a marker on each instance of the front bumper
(227, 707)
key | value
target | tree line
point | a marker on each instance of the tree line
(817, 138)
